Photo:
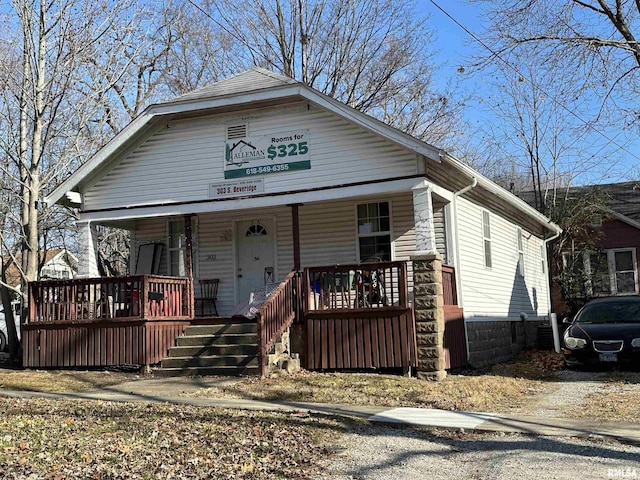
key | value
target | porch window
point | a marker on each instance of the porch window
(177, 248)
(486, 238)
(374, 231)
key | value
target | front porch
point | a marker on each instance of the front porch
(356, 316)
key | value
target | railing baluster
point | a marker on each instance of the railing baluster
(92, 299)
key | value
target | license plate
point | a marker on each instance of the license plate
(608, 357)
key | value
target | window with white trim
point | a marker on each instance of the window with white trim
(520, 251)
(374, 231)
(486, 238)
(625, 276)
(606, 272)
(177, 247)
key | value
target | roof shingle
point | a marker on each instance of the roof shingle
(248, 81)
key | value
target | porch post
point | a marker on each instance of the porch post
(427, 289)
(429, 313)
(88, 251)
(189, 261)
(295, 222)
(423, 220)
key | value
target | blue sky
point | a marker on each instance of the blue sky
(453, 47)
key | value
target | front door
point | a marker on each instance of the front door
(256, 258)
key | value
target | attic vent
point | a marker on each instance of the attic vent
(236, 131)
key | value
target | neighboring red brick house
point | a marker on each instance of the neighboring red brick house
(612, 268)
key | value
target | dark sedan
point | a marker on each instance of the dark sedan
(606, 330)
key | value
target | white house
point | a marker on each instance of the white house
(256, 176)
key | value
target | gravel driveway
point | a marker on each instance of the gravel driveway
(382, 452)
(574, 387)
(387, 452)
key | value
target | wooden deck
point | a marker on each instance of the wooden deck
(359, 317)
(355, 317)
(104, 321)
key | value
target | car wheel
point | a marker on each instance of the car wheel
(3, 342)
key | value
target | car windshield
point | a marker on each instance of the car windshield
(610, 312)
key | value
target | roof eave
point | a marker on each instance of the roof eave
(504, 195)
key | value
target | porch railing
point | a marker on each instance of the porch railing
(359, 316)
(357, 286)
(148, 297)
(277, 314)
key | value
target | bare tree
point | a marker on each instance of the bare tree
(45, 115)
(541, 135)
(589, 44)
(369, 54)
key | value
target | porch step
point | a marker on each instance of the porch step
(222, 329)
(204, 371)
(210, 340)
(210, 361)
(220, 349)
(211, 350)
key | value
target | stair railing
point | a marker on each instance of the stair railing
(276, 315)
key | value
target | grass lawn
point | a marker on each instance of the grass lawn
(70, 439)
(502, 388)
(60, 381)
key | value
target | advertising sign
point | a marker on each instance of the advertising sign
(278, 153)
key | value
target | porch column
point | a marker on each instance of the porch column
(423, 220)
(88, 250)
(295, 225)
(429, 312)
(189, 262)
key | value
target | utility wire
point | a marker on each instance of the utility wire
(610, 141)
(230, 32)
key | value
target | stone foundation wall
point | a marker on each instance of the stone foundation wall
(493, 342)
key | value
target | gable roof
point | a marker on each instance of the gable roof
(255, 86)
(260, 87)
(13, 273)
(252, 80)
(622, 199)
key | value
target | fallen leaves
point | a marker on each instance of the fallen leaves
(61, 380)
(70, 439)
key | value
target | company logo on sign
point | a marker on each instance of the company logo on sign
(279, 153)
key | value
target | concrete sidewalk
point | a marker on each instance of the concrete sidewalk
(173, 390)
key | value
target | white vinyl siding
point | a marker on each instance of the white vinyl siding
(179, 160)
(328, 236)
(498, 293)
(440, 228)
